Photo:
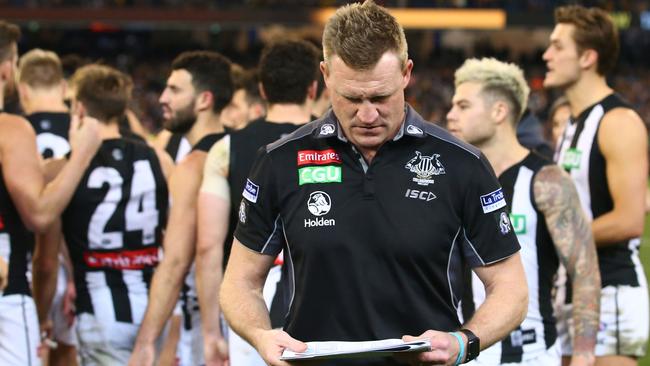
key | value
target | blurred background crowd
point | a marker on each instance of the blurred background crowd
(145, 47)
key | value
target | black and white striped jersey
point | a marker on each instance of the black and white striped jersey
(178, 146)
(579, 154)
(113, 228)
(189, 293)
(537, 333)
(16, 244)
(51, 133)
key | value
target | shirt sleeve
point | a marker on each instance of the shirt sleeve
(259, 224)
(487, 231)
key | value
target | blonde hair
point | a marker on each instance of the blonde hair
(361, 33)
(499, 80)
(40, 69)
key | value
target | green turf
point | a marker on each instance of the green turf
(645, 259)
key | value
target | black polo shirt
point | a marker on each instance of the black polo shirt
(374, 251)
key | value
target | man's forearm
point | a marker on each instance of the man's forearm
(586, 285)
(208, 282)
(612, 228)
(241, 296)
(163, 295)
(245, 311)
(506, 300)
(45, 270)
(58, 193)
(509, 306)
(213, 212)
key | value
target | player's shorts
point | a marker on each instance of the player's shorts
(104, 343)
(190, 343)
(19, 330)
(61, 332)
(552, 357)
(242, 353)
(624, 323)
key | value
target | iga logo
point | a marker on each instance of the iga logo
(425, 167)
(327, 129)
(319, 203)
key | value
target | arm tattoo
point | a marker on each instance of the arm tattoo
(557, 198)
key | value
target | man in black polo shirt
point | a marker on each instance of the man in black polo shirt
(379, 210)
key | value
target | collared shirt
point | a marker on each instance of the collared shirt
(374, 250)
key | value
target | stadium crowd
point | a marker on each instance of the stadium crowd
(133, 217)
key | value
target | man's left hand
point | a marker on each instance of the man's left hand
(444, 349)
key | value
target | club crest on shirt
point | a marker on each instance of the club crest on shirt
(504, 223)
(425, 167)
(243, 208)
(327, 129)
(414, 130)
(46, 124)
(117, 154)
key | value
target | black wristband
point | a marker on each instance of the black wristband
(473, 345)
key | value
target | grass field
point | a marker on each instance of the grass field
(645, 258)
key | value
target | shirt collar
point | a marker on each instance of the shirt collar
(329, 126)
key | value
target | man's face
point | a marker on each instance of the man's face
(562, 58)
(469, 118)
(368, 104)
(236, 115)
(177, 101)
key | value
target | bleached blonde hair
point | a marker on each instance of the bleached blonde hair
(499, 80)
(40, 69)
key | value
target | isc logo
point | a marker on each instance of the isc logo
(420, 195)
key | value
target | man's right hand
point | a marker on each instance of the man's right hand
(84, 136)
(271, 343)
(143, 355)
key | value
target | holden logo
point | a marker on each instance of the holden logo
(319, 203)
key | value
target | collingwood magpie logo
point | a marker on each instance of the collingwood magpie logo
(414, 130)
(504, 223)
(46, 124)
(327, 129)
(425, 167)
(117, 154)
(319, 204)
(242, 211)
